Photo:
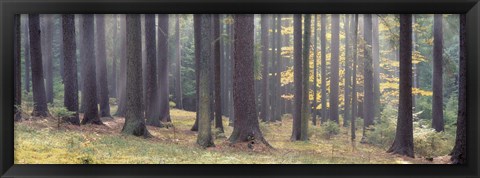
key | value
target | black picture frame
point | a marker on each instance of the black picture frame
(8, 8)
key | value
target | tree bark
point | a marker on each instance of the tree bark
(218, 84)
(314, 105)
(264, 114)
(278, 86)
(323, 26)
(178, 75)
(246, 127)
(70, 79)
(459, 152)
(102, 67)
(90, 85)
(26, 47)
(48, 61)
(134, 116)
(305, 78)
(354, 79)
(437, 82)
(297, 76)
(38, 85)
(113, 80)
(204, 137)
(151, 114)
(197, 37)
(347, 98)
(376, 66)
(368, 99)
(122, 83)
(335, 66)
(17, 68)
(163, 85)
(403, 143)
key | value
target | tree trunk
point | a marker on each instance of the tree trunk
(297, 76)
(459, 152)
(38, 85)
(151, 98)
(354, 79)
(48, 61)
(278, 85)
(113, 80)
(346, 110)
(26, 47)
(323, 26)
(163, 85)
(264, 114)
(218, 84)
(134, 116)
(305, 78)
(273, 70)
(368, 99)
(403, 143)
(437, 82)
(70, 76)
(246, 127)
(314, 105)
(178, 75)
(197, 37)
(122, 83)
(335, 66)
(90, 85)
(102, 67)
(17, 68)
(204, 137)
(376, 67)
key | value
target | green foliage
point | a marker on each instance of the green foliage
(330, 129)
(424, 104)
(60, 112)
(429, 143)
(451, 114)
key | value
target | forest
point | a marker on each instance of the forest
(240, 89)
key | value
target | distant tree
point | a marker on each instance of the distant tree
(354, 79)
(323, 73)
(437, 82)
(297, 76)
(134, 116)
(101, 67)
(305, 78)
(348, 78)
(70, 79)
(264, 114)
(368, 99)
(47, 43)
(278, 87)
(246, 127)
(26, 47)
(178, 64)
(122, 82)
(273, 70)
(90, 85)
(17, 68)
(335, 66)
(197, 37)
(163, 85)
(459, 152)
(38, 85)
(113, 80)
(376, 66)
(403, 143)
(218, 91)
(204, 137)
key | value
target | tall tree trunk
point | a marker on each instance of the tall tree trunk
(218, 91)
(38, 85)
(17, 68)
(403, 143)
(305, 78)
(102, 67)
(204, 137)
(178, 75)
(323, 39)
(264, 114)
(335, 66)
(437, 82)
(376, 67)
(48, 61)
(297, 76)
(134, 116)
(70, 79)
(151, 114)
(354, 79)
(113, 80)
(163, 85)
(90, 85)
(368, 99)
(26, 47)
(230, 75)
(197, 37)
(122, 83)
(81, 62)
(459, 152)
(273, 70)
(246, 127)
(347, 98)
(278, 85)
(314, 113)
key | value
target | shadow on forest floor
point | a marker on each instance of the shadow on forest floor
(40, 141)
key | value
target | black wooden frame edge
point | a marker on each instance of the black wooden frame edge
(9, 7)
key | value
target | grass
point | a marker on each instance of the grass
(40, 141)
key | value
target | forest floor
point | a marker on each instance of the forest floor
(41, 141)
